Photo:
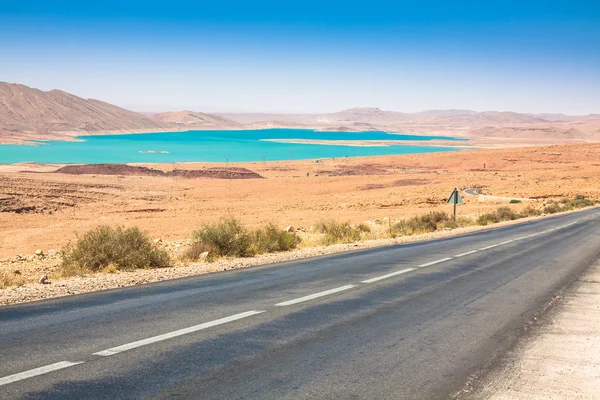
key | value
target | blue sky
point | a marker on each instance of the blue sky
(309, 56)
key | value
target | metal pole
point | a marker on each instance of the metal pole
(455, 201)
(455, 208)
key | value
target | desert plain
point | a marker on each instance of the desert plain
(44, 210)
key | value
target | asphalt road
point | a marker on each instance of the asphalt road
(404, 321)
(475, 192)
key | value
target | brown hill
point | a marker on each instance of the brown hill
(483, 118)
(196, 120)
(25, 109)
(378, 117)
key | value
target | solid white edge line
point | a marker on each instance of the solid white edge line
(507, 242)
(159, 338)
(378, 278)
(466, 254)
(37, 371)
(435, 262)
(315, 295)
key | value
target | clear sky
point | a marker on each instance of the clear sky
(309, 56)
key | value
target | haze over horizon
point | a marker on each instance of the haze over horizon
(314, 57)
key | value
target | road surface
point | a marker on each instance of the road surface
(475, 192)
(409, 321)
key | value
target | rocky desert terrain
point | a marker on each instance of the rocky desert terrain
(44, 207)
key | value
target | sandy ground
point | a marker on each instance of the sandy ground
(561, 359)
(42, 210)
(45, 211)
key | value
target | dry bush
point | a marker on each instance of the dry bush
(552, 208)
(363, 227)
(271, 239)
(8, 279)
(105, 246)
(530, 212)
(229, 237)
(338, 232)
(574, 204)
(426, 223)
(499, 215)
(195, 251)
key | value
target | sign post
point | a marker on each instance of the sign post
(455, 199)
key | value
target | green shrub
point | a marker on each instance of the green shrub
(338, 232)
(271, 239)
(514, 201)
(574, 204)
(124, 249)
(228, 237)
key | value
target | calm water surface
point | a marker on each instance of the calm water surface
(215, 146)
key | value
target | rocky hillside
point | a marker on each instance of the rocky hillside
(25, 109)
(196, 120)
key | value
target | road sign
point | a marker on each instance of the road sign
(455, 199)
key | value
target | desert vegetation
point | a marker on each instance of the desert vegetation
(113, 249)
(110, 249)
(13, 278)
(230, 238)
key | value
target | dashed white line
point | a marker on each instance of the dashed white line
(37, 371)
(378, 278)
(489, 247)
(315, 295)
(507, 242)
(466, 254)
(115, 350)
(435, 262)
(185, 331)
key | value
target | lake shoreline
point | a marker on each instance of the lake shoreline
(246, 145)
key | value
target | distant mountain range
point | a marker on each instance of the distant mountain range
(377, 116)
(24, 109)
(31, 113)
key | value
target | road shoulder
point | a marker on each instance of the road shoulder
(559, 357)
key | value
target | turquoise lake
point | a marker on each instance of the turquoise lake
(212, 146)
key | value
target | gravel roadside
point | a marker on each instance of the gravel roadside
(560, 358)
